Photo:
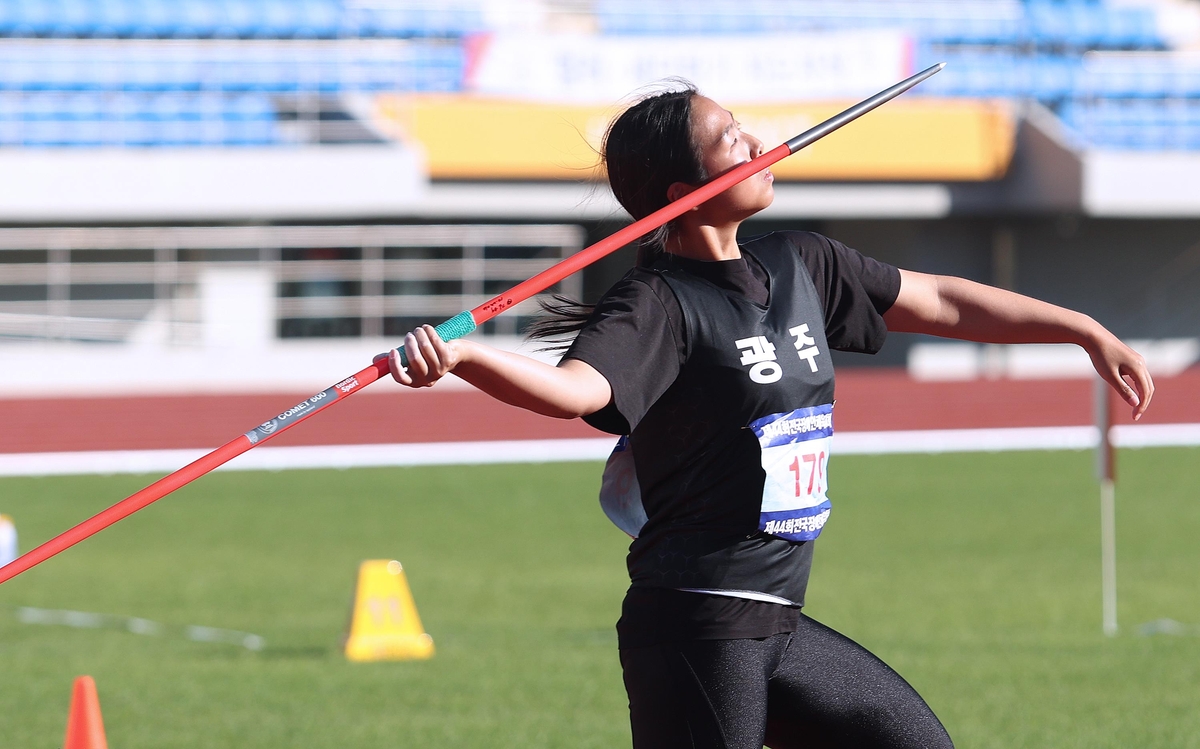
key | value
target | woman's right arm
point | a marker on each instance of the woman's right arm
(570, 390)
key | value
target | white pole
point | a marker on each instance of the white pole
(1108, 554)
(1106, 473)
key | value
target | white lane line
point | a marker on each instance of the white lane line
(548, 451)
(136, 625)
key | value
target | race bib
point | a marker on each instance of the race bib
(795, 457)
(620, 494)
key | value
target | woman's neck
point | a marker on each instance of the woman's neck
(705, 242)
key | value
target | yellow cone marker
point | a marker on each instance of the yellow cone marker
(384, 625)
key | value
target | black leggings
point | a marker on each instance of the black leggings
(813, 688)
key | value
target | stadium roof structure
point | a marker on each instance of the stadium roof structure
(1054, 172)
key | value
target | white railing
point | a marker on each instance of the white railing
(179, 285)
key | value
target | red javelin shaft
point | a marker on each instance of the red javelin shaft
(456, 327)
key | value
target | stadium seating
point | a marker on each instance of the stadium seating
(236, 19)
(144, 93)
(1075, 24)
(125, 119)
(183, 72)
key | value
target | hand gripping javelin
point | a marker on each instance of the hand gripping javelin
(456, 327)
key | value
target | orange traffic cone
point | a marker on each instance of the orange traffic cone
(85, 727)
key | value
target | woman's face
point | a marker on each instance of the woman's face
(722, 145)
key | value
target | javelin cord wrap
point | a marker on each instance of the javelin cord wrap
(458, 326)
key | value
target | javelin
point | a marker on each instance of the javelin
(456, 327)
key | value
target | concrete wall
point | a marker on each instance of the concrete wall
(1139, 277)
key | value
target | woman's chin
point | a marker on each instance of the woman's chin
(768, 199)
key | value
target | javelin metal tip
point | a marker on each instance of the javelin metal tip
(856, 111)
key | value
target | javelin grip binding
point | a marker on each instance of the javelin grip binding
(456, 327)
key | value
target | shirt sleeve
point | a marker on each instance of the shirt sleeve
(856, 291)
(635, 339)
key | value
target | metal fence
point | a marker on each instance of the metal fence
(166, 285)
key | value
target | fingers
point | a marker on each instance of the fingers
(1128, 374)
(1137, 380)
(429, 358)
(399, 374)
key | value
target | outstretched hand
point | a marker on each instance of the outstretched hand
(1124, 369)
(429, 358)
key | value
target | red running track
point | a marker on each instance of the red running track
(867, 400)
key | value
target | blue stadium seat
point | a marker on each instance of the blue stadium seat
(396, 21)
(1129, 28)
(142, 70)
(279, 19)
(87, 120)
(974, 26)
(1085, 24)
(1190, 135)
(1107, 81)
(250, 121)
(1153, 126)
(237, 19)
(1135, 124)
(115, 18)
(1053, 77)
(104, 70)
(171, 124)
(1049, 23)
(317, 19)
(14, 68)
(992, 74)
(208, 111)
(195, 19)
(277, 75)
(23, 71)
(30, 18)
(86, 106)
(73, 18)
(10, 120)
(1184, 82)
(8, 17)
(138, 126)
(155, 19)
(437, 68)
(247, 107)
(41, 121)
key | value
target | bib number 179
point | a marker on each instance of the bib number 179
(810, 466)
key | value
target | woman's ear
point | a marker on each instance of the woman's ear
(677, 190)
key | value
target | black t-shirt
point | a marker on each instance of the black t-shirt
(636, 338)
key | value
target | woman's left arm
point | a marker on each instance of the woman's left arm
(957, 308)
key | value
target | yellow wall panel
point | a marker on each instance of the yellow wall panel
(920, 140)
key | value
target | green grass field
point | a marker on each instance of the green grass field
(975, 576)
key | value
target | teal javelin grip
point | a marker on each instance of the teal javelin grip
(456, 327)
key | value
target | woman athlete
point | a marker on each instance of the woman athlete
(713, 357)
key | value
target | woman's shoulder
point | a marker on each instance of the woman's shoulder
(638, 284)
(804, 243)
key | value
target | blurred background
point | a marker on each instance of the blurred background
(213, 198)
(212, 209)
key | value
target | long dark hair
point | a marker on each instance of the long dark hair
(647, 147)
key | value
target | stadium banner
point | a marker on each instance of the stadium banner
(917, 139)
(583, 68)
